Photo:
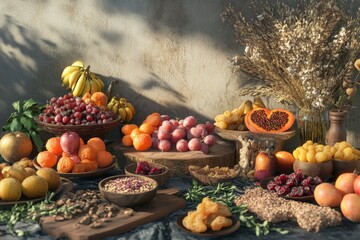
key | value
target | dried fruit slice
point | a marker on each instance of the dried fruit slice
(269, 121)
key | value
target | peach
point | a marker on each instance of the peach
(327, 195)
(345, 183)
(350, 207)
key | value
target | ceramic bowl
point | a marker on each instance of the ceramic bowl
(161, 178)
(322, 170)
(341, 166)
(128, 199)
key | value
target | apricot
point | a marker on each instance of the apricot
(345, 183)
(350, 207)
(327, 195)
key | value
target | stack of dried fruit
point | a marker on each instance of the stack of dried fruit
(70, 154)
(313, 152)
(144, 168)
(234, 119)
(293, 185)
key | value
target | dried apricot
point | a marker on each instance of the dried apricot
(90, 165)
(46, 159)
(97, 143)
(65, 165)
(87, 152)
(104, 158)
(53, 146)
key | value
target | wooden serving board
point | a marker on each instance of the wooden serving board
(162, 205)
(221, 154)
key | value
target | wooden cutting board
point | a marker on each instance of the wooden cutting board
(162, 205)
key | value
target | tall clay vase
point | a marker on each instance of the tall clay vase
(337, 129)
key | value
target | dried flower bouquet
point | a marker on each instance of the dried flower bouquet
(302, 54)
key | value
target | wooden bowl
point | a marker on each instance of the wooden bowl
(128, 199)
(322, 170)
(341, 166)
(196, 173)
(161, 178)
(85, 131)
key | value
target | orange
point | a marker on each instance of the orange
(90, 165)
(147, 128)
(154, 120)
(142, 142)
(87, 152)
(79, 168)
(127, 128)
(46, 159)
(65, 165)
(127, 141)
(104, 158)
(81, 142)
(134, 132)
(285, 161)
(99, 98)
(53, 146)
(96, 143)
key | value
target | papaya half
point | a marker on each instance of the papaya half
(269, 121)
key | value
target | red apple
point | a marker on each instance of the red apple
(350, 207)
(357, 185)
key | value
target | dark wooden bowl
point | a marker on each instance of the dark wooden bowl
(210, 180)
(85, 131)
(128, 199)
(322, 170)
(341, 166)
(161, 178)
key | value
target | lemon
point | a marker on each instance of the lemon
(51, 177)
(34, 187)
(10, 189)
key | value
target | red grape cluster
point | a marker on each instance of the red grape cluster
(70, 110)
(185, 135)
(294, 185)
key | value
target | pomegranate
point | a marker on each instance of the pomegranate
(70, 142)
(265, 166)
(327, 195)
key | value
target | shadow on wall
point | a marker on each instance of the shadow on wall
(21, 62)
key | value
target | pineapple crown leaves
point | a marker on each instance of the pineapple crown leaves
(22, 119)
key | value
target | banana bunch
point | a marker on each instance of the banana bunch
(80, 80)
(122, 107)
(234, 119)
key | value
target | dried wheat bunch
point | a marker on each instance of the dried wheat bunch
(302, 54)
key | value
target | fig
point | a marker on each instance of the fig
(70, 142)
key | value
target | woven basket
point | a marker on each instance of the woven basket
(85, 131)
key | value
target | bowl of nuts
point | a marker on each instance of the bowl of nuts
(158, 172)
(128, 191)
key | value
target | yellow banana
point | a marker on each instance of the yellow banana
(65, 81)
(98, 81)
(241, 108)
(98, 85)
(123, 100)
(258, 103)
(129, 114)
(78, 64)
(123, 114)
(248, 106)
(87, 87)
(74, 78)
(93, 86)
(131, 107)
(68, 70)
(115, 108)
(79, 86)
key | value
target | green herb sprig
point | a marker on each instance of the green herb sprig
(227, 193)
(22, 119)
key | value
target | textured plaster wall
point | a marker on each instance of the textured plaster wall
(168, 56)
